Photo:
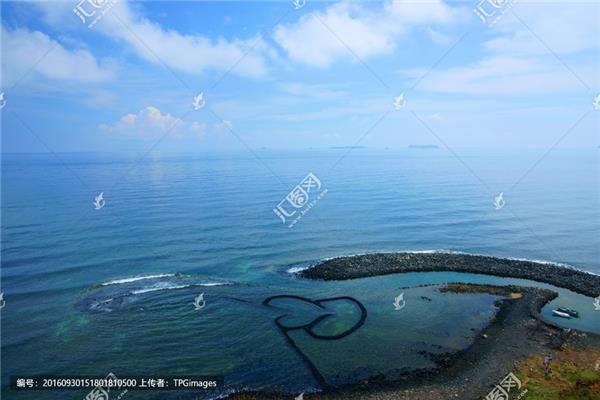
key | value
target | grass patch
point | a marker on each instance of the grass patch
(575, 376)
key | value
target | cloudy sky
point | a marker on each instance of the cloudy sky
(273, 76)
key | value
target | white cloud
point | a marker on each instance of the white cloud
(521, 58)
(369, 30)
(314, 91)
(502, 75)
(192, 53)
(100, 98)
(365, 108)
(416, 12)
(149, 122)
(320, 38)
(198, 128)
(310, 42)
(24, 50)
(224, 125)
(438, 38)
(564, 28)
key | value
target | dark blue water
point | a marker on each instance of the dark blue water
(205, 224)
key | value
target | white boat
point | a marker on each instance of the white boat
(561, 314)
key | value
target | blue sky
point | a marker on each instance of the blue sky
(320, 76)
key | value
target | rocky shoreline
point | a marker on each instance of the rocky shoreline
(470, 374)
(516, 333)
(361, 266)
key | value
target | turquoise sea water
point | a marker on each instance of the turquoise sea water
(192, 224)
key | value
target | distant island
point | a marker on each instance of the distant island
(423, 146)
(346, 147)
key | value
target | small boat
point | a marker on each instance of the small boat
(561, 314)
(569, 311)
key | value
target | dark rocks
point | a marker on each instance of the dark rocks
(361, 266)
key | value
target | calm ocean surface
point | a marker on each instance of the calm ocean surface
(194, 224)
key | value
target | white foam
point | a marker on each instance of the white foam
(295, 270)
(172, 287)
(135, 279)
(533, 260)
(213, 284)
(154, 289)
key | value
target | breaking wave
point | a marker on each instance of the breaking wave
(135, 279)
(118, 293)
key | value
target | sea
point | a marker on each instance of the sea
(169, 271)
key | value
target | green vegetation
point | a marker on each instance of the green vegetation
(575, 375)
(476, 288)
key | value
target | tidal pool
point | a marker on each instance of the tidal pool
(148, 326)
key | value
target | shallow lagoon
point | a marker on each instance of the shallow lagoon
(235, 334)
(210, 219)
